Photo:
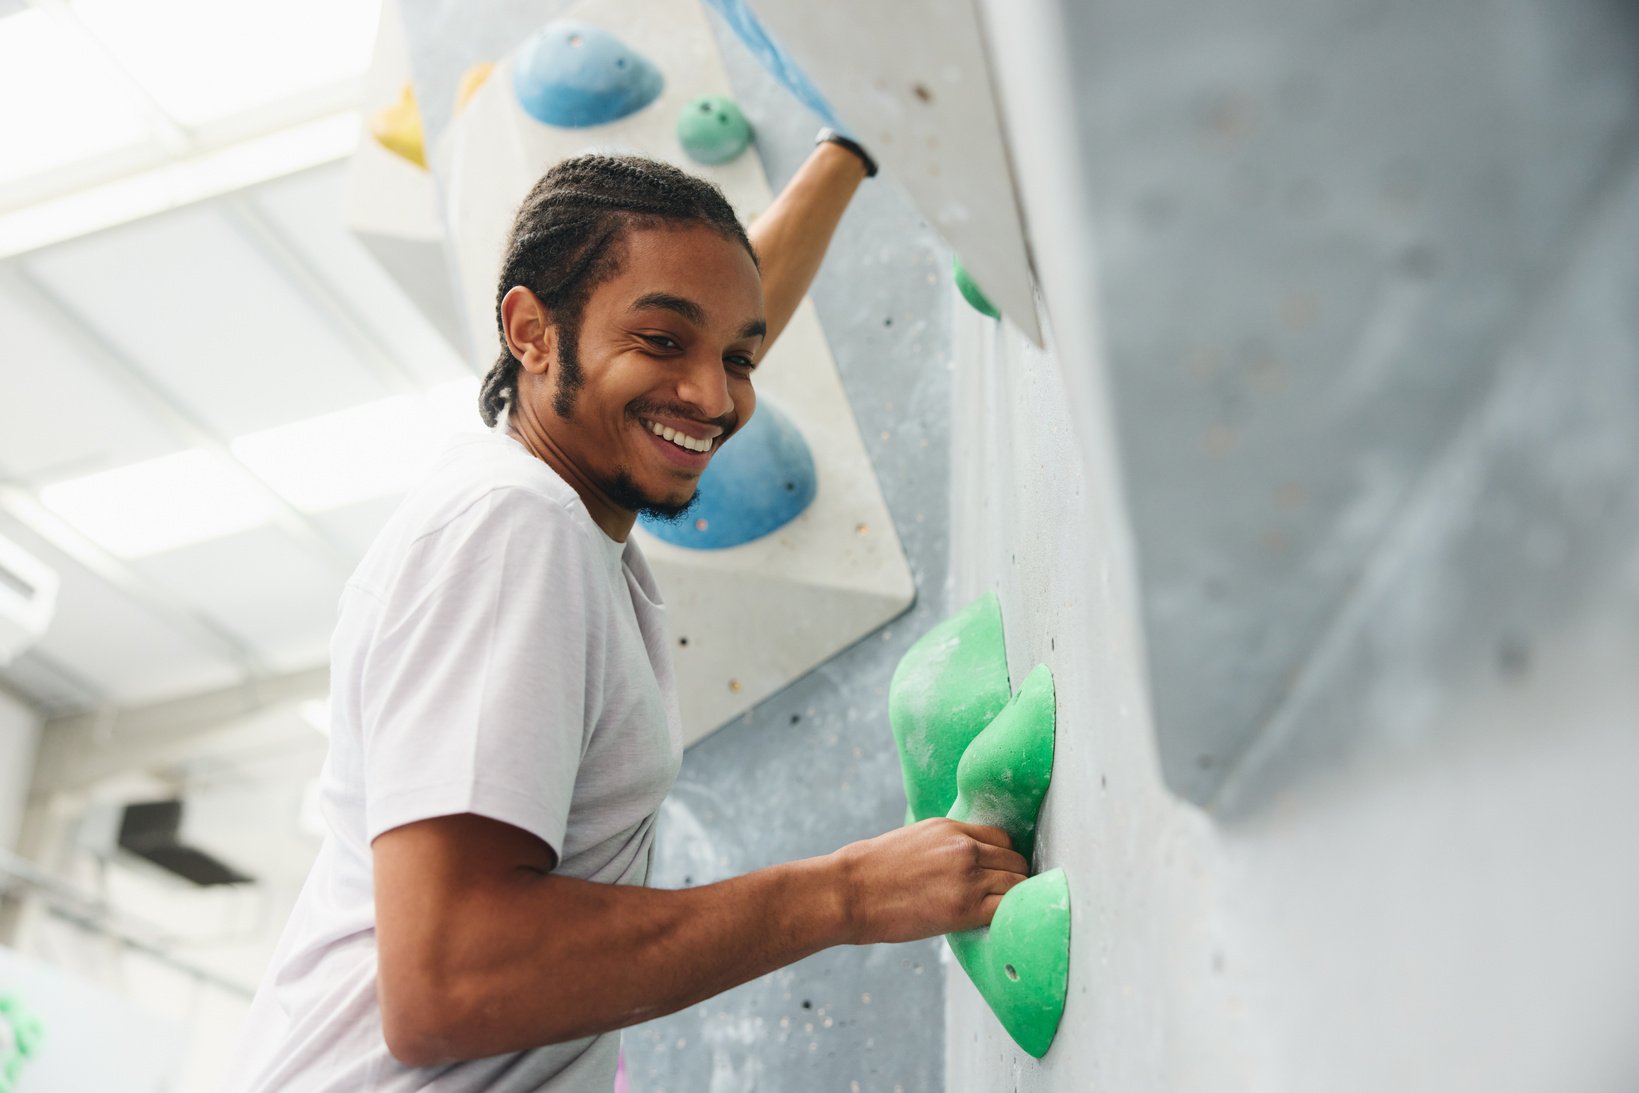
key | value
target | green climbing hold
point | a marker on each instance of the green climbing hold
(1005, 771)
(712, 130)
(1021, 961)
(947, 688)
(970, 752)
(970, 291)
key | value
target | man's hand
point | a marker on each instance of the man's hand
(935, 877)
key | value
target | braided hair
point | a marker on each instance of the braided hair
(566, 241)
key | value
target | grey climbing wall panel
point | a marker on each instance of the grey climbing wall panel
(1320, 227)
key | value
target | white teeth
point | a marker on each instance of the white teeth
(681, 439)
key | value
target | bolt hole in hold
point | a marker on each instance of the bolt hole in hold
(1012, 972)
(682, 641)
(790, 487)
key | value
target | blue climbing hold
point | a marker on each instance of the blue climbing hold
(761, 480)
(575, 75)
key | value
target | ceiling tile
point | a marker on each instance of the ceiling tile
(262, 585)
(61, 417)
(307, 209)
(357, 525)
(199, 310)
(116, 644)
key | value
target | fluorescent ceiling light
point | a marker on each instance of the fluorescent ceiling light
(183, 182)
(160, 504)
(62, 105)
(204, 60)
(374, 450)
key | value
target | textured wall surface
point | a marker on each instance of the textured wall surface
(1320, 227)
(1414, 867)
(815, 767)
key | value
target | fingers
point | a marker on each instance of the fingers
(984, 833)
(1003, 859)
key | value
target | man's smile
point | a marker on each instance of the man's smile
(685, 444)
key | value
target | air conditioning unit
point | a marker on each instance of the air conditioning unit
(28, 599)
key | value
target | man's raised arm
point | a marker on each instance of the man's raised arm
(791, 235)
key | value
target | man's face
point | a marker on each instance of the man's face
(662, 368)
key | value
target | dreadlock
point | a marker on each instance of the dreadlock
(566, 241)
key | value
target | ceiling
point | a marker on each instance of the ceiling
(191, 353)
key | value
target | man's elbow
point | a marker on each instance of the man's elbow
(427, 1023)
(421, 1019)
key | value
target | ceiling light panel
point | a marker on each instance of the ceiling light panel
(262, 585)
(160, 504)
(198, 308)
(60, 416)
(374, 450)
(308, 210)
(203, 60)
(63, 105)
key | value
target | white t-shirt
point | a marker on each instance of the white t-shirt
(496, 653)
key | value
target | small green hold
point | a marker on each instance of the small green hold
(712, 130)
(970, 291)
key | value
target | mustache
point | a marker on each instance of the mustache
(728, 422)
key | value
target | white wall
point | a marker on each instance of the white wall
(19, 741)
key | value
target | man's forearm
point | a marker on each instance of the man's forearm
(792, 234)
(535, 959)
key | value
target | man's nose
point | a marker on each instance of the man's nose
(704, 385)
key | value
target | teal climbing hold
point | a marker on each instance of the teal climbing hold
(947, 688)
(970, 290)
(575, 75)
(712, 130)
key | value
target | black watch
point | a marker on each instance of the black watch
(831, 136)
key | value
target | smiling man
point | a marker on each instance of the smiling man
(504, 714)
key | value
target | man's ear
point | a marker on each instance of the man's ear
(529, 332)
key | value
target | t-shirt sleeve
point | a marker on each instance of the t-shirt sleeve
(475, 693)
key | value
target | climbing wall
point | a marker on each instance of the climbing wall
(1320, 507)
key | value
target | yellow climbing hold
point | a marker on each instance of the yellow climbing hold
(471, 80)
(398, 128)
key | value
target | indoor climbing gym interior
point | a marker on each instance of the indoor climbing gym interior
(1164, 614)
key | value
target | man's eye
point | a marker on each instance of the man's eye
(660, 341)
(744, 363)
